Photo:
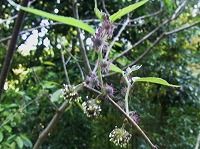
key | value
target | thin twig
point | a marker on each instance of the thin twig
(64, 67)
(165, 34)
(116, 37)
(77, 63)
(174, 16)
(134, 124)
(82, 46)
(51, 125)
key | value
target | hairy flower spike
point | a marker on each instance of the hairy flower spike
(120, 137)
(92, 80)
(91, 108)
(105, 66)
(69, 93)
(103, 33)
(109, 90)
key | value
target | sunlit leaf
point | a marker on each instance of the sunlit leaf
(66, 20)
(115, 68)
(97, 12)
(56, 95)
(1, 136)
(126, 10)
(26, 141)
(155, 80)
(19, 142)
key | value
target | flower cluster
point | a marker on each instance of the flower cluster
(91, 108)
(92, 80)
(69, 93)
(120, 137)
(104, 32)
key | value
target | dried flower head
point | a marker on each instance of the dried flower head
(109, 90)
(92, 80)
(91, 108)
(107, 26)
(135, 116)
(120, 137)
(69, 93)
(104, 32)
(105, 66)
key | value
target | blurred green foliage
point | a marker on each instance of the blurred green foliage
(170, 116)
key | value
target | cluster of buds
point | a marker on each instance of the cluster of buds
(91, 108)
(69, 93)
(104, 32)
(120, 137)
(92, 80)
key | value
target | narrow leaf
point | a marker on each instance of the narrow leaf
(97, 12)
(126, 10)
(115, 68)
(1, 136)
(66, 20)
(155, 80)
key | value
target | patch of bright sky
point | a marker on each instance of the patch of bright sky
(34, 39)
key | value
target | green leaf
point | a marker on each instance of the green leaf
(56, 95)
(115, 68)
(97, 12)
(126, 10)
(19, 142)
(26, 141)
(1, 136)
(155, 80)
(66, 20)
(8, 128)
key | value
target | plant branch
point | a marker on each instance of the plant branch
(116, 37)
(174, 16)
(82, 46)
(51, 125)
(134, 124)
(64, 66)
(11, 47)
(165, 34)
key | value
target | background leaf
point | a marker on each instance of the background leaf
(56, 95)
(155, 80)
(115, 68)
(126, 10)
(66, 20)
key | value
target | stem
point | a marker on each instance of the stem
(126, 99)
(51, 125)
(82, 46)
(132, 122)
(65, 70)
(99, 67)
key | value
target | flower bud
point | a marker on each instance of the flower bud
(120, 137)
(69, 93)
(91, 108)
